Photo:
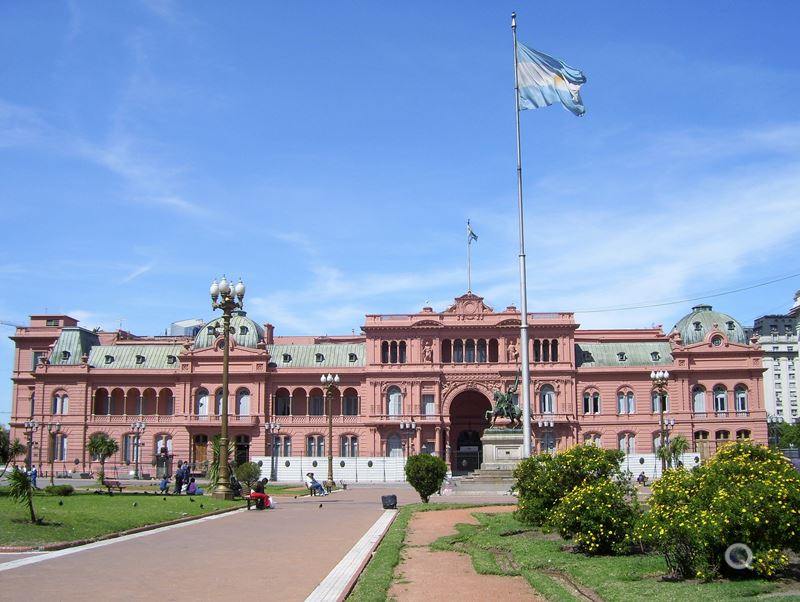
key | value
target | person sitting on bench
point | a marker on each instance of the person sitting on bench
(258, 494)
(314, 485)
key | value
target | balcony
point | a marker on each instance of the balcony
(128, 418)
(318, 419)
(398, 418)
(233, 420)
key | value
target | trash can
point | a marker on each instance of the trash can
(389, 502)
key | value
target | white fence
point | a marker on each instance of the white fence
(651, 464)
(292, 469)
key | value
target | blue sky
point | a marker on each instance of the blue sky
(331, 153)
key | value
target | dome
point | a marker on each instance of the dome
(694, 328)
(244, 331)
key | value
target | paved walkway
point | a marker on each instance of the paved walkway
(283, 553)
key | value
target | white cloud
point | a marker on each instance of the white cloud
(136, 272)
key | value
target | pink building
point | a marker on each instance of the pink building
(409, 383)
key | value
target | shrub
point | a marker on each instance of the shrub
(745, 494)
(248, 473)
(597, 516)
(59, 490)
(425, 473)
(542, 480)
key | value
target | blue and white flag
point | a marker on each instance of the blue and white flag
(470, 234)
(544, 80)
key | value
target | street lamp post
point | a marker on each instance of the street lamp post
(409, 429)
(228, 299)
(547, 424)
(53, 428)
(660, 379)
(272, 428)
(31, 426)
(329, 381)
(137, 428)
(774, 428)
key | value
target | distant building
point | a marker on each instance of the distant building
(778, 337)
(186, 328)
(410, 383)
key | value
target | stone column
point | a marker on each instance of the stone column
(437, 445)
(418, 441)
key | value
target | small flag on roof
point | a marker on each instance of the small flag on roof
(544, 80)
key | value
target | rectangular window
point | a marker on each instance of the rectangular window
(51, 322)
(428, 404)
(317, 406)
(35, 359)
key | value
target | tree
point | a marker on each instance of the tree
(20, 489)
(425, 473)
(248, 473)
(102, 447)
(9, 450)
(789, 435)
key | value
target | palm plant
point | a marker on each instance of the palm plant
(213, 469)
(9, 450)
(678, 446)
(20, 489)
(102, 447)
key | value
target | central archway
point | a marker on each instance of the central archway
(467, 423)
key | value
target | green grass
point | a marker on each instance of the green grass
(374, 582)
(519, 550)
(84, 516)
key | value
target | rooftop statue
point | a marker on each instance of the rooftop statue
(504, 407)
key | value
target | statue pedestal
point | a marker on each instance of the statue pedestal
(502, 448)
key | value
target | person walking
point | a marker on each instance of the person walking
(34, 473)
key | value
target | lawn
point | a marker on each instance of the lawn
(86, 515)
(501, 545)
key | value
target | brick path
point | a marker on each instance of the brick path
(281, 554)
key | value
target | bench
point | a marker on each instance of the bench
(109, 484)
(253, 497)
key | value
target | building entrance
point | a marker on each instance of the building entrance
(467, 423)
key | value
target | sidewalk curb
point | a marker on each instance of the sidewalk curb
(52, 547)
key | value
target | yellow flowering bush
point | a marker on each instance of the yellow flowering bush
(542, 480)
(746, 494)
(598, 517)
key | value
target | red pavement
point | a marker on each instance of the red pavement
(278, 554)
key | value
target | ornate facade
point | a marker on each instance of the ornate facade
(409, 383)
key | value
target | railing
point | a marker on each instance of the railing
(215, 418)
(317, 419)
(128, 418)
(403, 417)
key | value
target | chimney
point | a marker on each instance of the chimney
(269, 334)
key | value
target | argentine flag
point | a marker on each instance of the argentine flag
(544, 80)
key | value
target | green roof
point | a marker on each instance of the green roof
(597, 355)
(245, 332)
(72, 343)
(155, 357)
(694, 328)
(334, 355)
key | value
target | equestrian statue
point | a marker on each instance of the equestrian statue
(504, 407)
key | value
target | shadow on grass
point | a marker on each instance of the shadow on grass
(40, 522)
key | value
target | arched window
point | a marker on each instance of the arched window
(394, 446)
(554, 350)
(394, 401)
(350, 402)
(282, 445)
(722, 435)
(470, 351)
(458, 351)
(243, 402)
(698, 399)
(656, 398)
(494, 351)
(447, 351)
(402, 352)
(283, 405)
(545, 350)
(481, 351)
(393, 352)
(166, 403)
(591, 439)
(315, 445)
(58, 442)
(627, 442)
(385, 352)
(537, 350)
(130, 451)
(626, 404)
(349, 446)
(316, 402)
(102, 402)
(720, 399)
(60, 403)
(149, 402)
(162, 444)
(591, 402)
(740, 395)
(547, 399)
(133, 402)
(218, 402)
(201, 402)
(743, 434)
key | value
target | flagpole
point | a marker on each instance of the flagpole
(469, 258)
(523, 287)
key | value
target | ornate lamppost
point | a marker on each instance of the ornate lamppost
(409, 429)
(31, 426)
(272, 428)
(137, 428)
(53, 428)
(774, 429)
(659, 379)
(228, 299)
(329, 381)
